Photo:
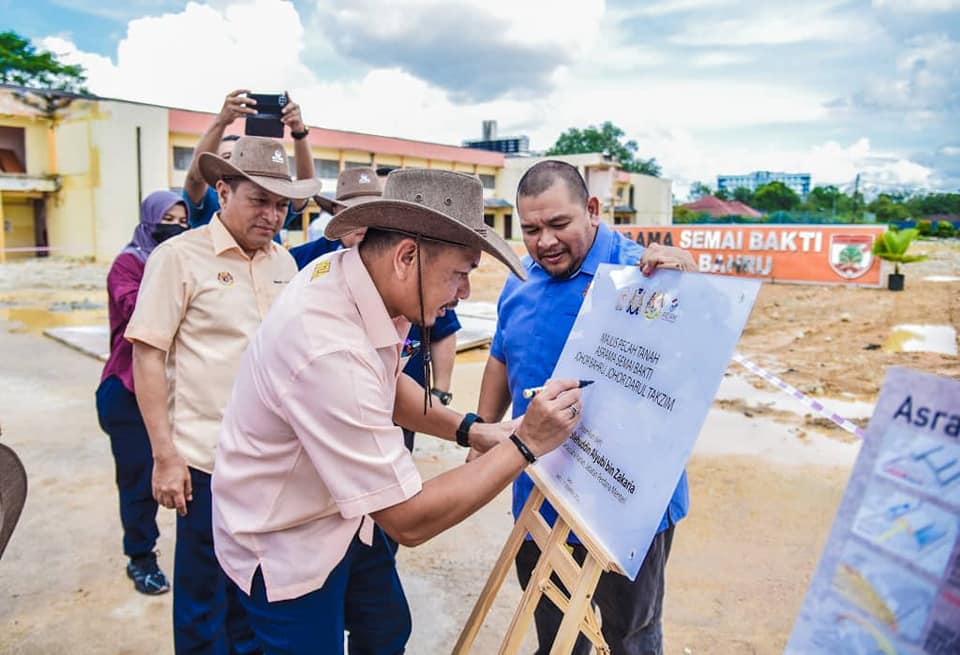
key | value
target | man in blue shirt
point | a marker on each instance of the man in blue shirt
(566, 242)
(362, 184)
(202, 201)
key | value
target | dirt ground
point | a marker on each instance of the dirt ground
(765, 480)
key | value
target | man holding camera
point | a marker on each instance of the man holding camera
(202, 200)
(204, 293)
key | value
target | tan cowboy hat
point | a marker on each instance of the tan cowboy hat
(354, 185)
(262, 161)
(438, 205)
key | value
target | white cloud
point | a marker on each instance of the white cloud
(194, 57)
(917, 6)
(775, 25)
(687, 159)
(719, 59)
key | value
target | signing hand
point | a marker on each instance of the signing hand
(171, 483)
(236, 105)
(658, 256)
(551, 416)
(291, 117)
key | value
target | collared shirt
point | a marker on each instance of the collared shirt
(201, 300)
(308, 446)
(444, 326)
(533, 321)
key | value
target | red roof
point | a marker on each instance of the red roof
(718, 208)
(195, 122)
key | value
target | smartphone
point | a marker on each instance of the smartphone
(266, 122)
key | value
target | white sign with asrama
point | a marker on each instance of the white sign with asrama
(656, 348)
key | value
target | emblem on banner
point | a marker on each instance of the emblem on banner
(850, 254)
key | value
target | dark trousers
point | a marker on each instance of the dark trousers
(120, 418)
(207, 615)
(362, 595)
(630, 611)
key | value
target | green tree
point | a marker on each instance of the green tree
(606, 139)
(744, 195)
(775, 196)
(698, 190)
(722, 194)
(933, 203)
(828, 199)
(888, 209)
(22, 64)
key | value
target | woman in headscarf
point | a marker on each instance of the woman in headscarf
(162, 215)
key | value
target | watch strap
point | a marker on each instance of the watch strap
(463, 432)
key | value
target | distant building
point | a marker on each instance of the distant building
(717, 208)
(799, 182)
(511, 146)
(73, 185)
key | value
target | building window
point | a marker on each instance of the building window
(326, 168)
(182, 158)
(489, 220)
(508, 226)
(355, 164)
(488, 181)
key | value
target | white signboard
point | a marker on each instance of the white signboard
(656, 348)
(889, 578)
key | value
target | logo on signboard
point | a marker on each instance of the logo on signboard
(659, 304)
(850, 255)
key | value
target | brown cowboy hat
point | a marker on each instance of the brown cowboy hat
(262, 161)
(438, 205)
(354, 185)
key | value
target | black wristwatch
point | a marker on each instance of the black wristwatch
(300, 135)
(463, 432)
(443, 396)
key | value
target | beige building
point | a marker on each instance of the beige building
(625, 198)
(71, 180)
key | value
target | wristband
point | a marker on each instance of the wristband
(300, 135)
(522, 447)
(463, 432)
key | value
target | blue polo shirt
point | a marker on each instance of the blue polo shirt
(200, 213)
(533, 321)
(444, 327)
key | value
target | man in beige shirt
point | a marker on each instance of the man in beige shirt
(311, 469)
(203, 296)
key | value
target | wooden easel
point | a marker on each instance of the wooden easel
(581, 581)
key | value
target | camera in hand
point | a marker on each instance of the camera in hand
(266, 122)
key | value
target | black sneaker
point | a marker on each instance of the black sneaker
(147, 576)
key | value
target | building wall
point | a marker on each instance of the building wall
(653, 199)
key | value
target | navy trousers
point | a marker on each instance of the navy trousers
(120, 418)
(207, 615)
(362, 596)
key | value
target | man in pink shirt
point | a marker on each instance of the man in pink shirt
(310, 467)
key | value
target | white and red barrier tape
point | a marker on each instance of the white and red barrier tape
(792, 391)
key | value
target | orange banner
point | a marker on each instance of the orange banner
(822, 254)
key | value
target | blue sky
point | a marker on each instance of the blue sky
(831, 87)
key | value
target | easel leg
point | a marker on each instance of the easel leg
(534, 591)
(510, 549)
(580, 604)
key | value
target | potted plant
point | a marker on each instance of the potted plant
(892, 247)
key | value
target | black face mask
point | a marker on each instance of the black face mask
(164, 231)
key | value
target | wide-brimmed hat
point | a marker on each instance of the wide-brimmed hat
(354, 185)
(435, 204)
(262, 161)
